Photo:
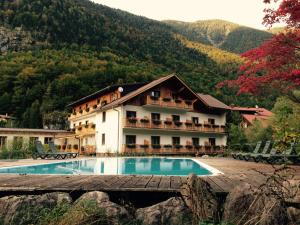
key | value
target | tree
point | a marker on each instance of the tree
(277, 61)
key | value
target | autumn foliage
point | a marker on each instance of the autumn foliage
(277, 61)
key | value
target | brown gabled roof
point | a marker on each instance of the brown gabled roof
(29, 130)
(206, 99)
(213, 102)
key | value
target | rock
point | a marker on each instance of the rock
(201, 200)
(247, 205)
(95, 206)
(26, 209)
(293, 215)
(172, 211)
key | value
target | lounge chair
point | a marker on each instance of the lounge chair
(288, 155)
(246, 155)
(257, 156)
(53, 149)
(40, 152)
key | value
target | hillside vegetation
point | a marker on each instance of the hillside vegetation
(71, 48)
(221, 34)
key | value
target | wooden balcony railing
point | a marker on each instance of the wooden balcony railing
(88, 150)
(86, 129)
(172, 125)
(83, 112)
(171, 149)
(169, 102)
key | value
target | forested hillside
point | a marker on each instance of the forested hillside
(222, 34)
(66, 49)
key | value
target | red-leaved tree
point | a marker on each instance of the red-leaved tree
(277, 61)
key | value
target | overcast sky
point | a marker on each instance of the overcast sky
(244, 12)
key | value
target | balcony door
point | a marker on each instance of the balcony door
(212, 141)
(155, 116)
(176, 118)
(130, 114)
(130, 139)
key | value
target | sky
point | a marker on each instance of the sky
(244, 12)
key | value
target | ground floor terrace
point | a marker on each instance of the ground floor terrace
(234, 173)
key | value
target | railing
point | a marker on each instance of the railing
(83, 112)
(172, 125)
(172, 149)
(169, 102)
(85, 129)
(88, 150)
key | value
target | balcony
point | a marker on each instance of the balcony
(172, 149)
(168, 124)
(168, 102)
(82, 112)
(87, 129)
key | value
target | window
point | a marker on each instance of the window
(3, 141)
(33, 139)
(176, 118)
(155, 140)
(195, 141)
(103, 139)
(47, 140)
(155, 116)
(155, 93)
(130, 139)
(176, 140)
(195, 120)
(18, 139)
(130, 114)
(212, 141)
(103, 117)
(211, 121)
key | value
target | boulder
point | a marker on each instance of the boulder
(248, 205)
(201, 199)
(172, 211)
(26, 209)
(95, 206)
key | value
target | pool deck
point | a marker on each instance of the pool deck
(235, 173)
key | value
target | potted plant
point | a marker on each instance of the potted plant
(198, 124)
(63, 147)
(80, 111)
(93, 126)
(75, 147)
(86, 126)
(188, 122)
(73, 129)
(87, 109)
(69, 147)
(74, 113)
(58, 147)
(168, 121)
(156, 146)
(79, 128)
(94, 106)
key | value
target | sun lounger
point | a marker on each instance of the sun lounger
(40, 152)
(246, 155)
(53, 149)
(288, 155)
(256, 156)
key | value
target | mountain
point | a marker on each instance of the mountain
(221, 34)
(54, 52)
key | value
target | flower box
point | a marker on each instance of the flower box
(178, 146)
(167, 146)
(189, 123)
(168, 122)
(189, 146)
(156, 122)
(131, 145)
(156, 146)
(144, 146)
(166, 99)
(188, 102)
(132, 120)
(144, 120)
(178, 100)
(178, 123)
(198, 124)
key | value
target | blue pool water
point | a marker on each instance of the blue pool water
(116, 166)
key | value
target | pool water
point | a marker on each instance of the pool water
(117, 166)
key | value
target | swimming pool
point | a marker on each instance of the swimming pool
(118, 166)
